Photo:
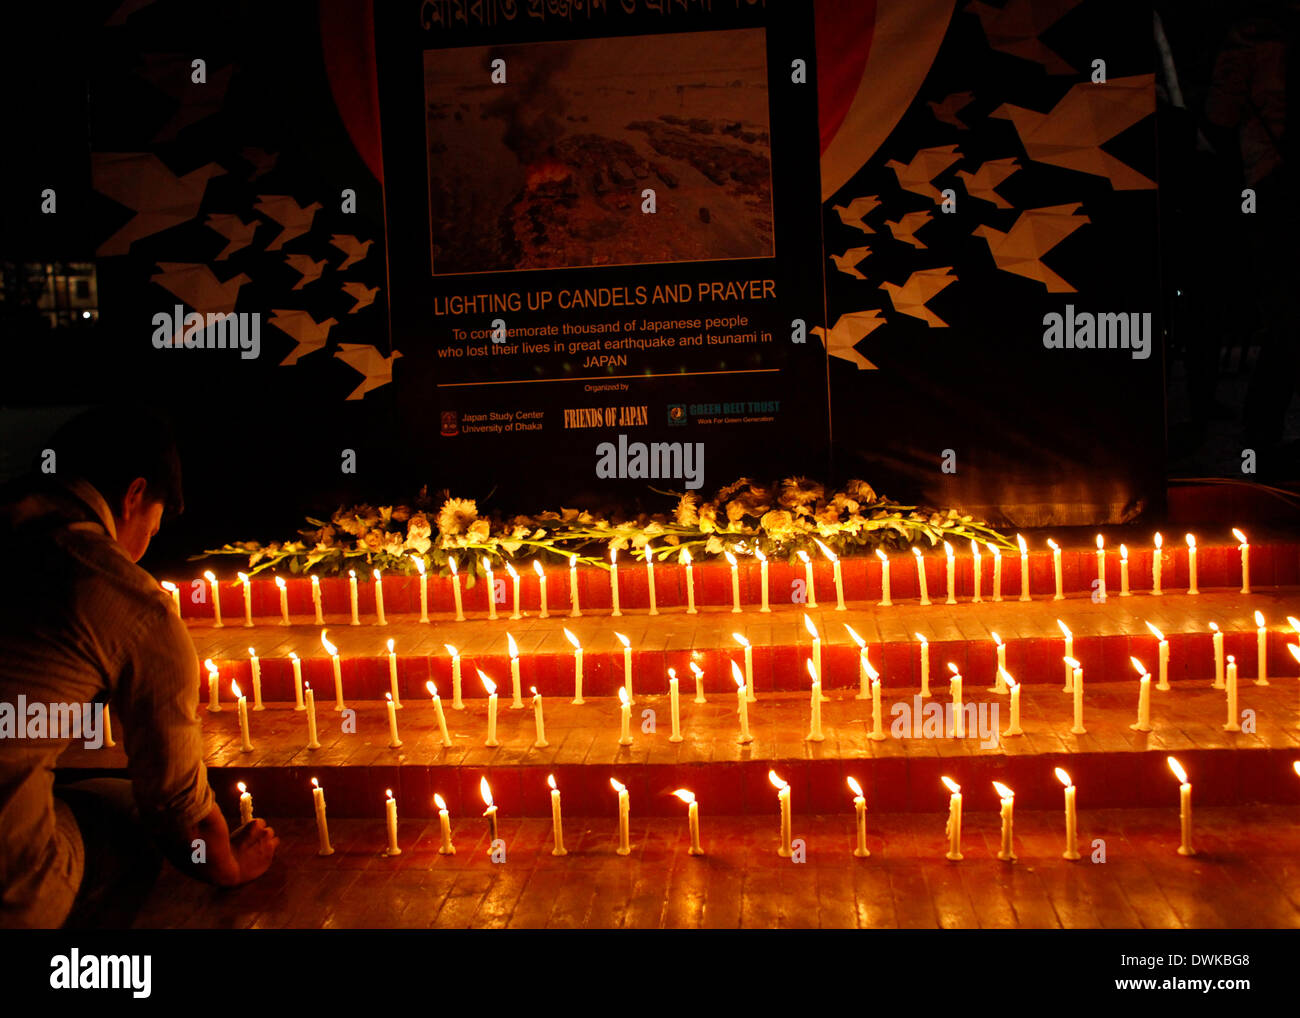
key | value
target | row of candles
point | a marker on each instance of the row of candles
(1225, 677)
(953, 829)
(575, 610)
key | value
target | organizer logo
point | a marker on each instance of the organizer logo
(73, 971)
(450, 425)
(677, 415)
(23, 720)
(237, 331)
(658, 460)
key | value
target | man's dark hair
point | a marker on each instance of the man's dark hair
(111, 446)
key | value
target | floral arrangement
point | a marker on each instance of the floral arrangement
(780, 520)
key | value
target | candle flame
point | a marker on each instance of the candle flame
(330, 649)
(537, 568)
(234, 686)
(315, 783)
(1159, 541)
(485, 790)
(1053, 545)
(510, 570)
(1072, 663)
(803, 556)
(953, 668)
(487, 564)
(511, 646)
(881, 555)
(825, 550)
(1239, 535)
(974, 547)
(1231, 659)
(1123, 552)
(252, 652)
(777, 783)
(1023, 547)
(696, 669)
(997, 552)
(488, 684)
(388, 792)
(1012, 684)
(388, 697)
(1214, 627)
(953, 787)
(1141, 668)
(1294, 622)
(740, 639)
(737, 675)
(209, 576)
(1177, 768)
(451, 650)
(1063, 777)
(808, 625)
(419, 564)
(997, 640)
(622, 695)
(947, 549)
(1294, 648)
(1296, 767)
(572, 639)
(439, 801)
(1003, 791)
(293, 655)
(921, 638)
(758, 554)
(812, 672)
(855, 637)
(1191, 541)
(433, 690)
(168, 586)
(685, 558)
(872, 674)
(1156, 632)
(731, 559)
(686, 796)
(242, 787)
(1259, 619)
(391, 644)
(672, 673)
(378, 577)
(617, 785)
(917, 552)
(623, 640)
(1065, 630)
(279, 582)
(533, 690)
(613, 553)
(853, 784)
(550, 780)
(212, 669)
(315, 581)
(452, 562)
(243, 578)
(352, 574)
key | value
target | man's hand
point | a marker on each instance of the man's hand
(253, 846)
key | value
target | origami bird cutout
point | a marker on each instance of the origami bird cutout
(234, 229)
(310, 270)
(907, 225)
(1032, 235)
(946, 108)
(1088, 115)
(927, 164)
(921, 287)
(855, 213)
(364, 358)
(159, 198)
(196, 286)
(263, 162)
(1015, 28)
(354, 249)
(362, 294)
(849, 259)
(849, 330)
(170, 73)
(295, 219)
(982, 182)
(310, 335)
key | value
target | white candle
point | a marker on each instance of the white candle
(1101, 569)
(392, 675)
(925, 664)
(316, 601)
(999, 686)
(997, 571)
(958, 712)
(762, 580)
(322, 829)
(545, 612)
(877, 729)
(333, 652)
(954, 819)
(174, 591)
(920, 575)
(977, 569)
(1163, 651)
(1014, 728)
(393, 741)
(698, 672)
(245, 804)
(352, 596)
(808, 578)
(1218, 655)
(455, 590)
(690, 582)
(1056, 568)
(514, 581)
(951, 573)
(839, 580)
(485, 790)
(1006, 852)
(1157, 564)
(625, 718)
(390, 814)
(1077, 728)
(214, 691)
(246, 744)
(491, 588)
(424, 587)
(1071, 819)
(312, 742)
(860, 808)
(735, 581)
(297, 681)
(1024, 568)
(438, 713)
(1143, 723)
(627, 666)
(613, 579)
(884, 602)
(749, 666)
(816, 647)
(574, 610)
(248, 598)
(864, 679)
(1123, 570)
(1069, 653)
(491, 688)
(215, 591)
(1184, 808)
(379, 599)
(1244, 548)
(783, 799)
(742, 704)
(675, 705)
(456, 702)
(623, 810)
(1261, 650)
(1191, 565)
(444, 824)
(557, 821)
(692, 819)
(577, 667)
(284, 600)
(650, 579)
(1233, 723)
(815, 729)
(539, 722)
(1294, 648)
(516, 683)
(255, 667)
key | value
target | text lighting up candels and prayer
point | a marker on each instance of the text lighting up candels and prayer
(392, 674)
(322, 828)
(1244, 548)
(296, 662)
(1013, 687)
(864, 679)
(950, 574)
(690, 582)
(444, 825)
(438, 713)
(977, 569)
(255, 669)
(390, 817)
(393, 741)
(1157, 564)
(1162, 674)
(485, 792)
(860, 809)
(742, 705)
(490, 688)
(1056, 570)
(214, 690)
(1261, 650)
(1143, 723)
(352, 597)
(514, 583)
(953, 829)
(625, 718)
(1191, 565)
(811, 591)
(698, 672)
(557, 819)
(245, 804)
(692, 819)
(577, 668)
(627, 666)
(175, 593)
(456, 702)
(624, 848)
(241, 701)
(1006, 851)
(316, 605)
(783, 800)
(613, 579)
(284, 600)
(762, 580)
(1123, 571)
(815, 733)
(516, 683)
(1069, 653)
(1024, 568)
(999, 685)
(545, 612)
(1101, 570)
(424, 587)
(958, 711)
(312, 741)
(455, 589)
(575, 611)
(1184, 807)
(491, 588)
(1077, 728)
(333, 652)
(839, 579)
(539, 722)
(1233, 724)
(884, 601)
(1071, 818)
(920, 575)
(925, 664)
(735, 581)
(215, 591)
(1217, 640)
(650, 579)
(674, 697)
(248, 599)
(997, 571)
(749, 666)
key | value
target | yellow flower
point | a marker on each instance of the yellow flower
(708, 520)
(478, 531)
(686, 514)
(457, 515)
(860, 491)
(778, 523)
(735, 511)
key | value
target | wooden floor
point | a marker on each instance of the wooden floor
(1247, 875)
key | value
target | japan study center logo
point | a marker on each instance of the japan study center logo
(450, 427)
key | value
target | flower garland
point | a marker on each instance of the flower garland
(780, 520)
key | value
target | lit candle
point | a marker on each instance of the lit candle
(491, 688)
(557, 821)
(650, 578)
(783, 798)
(1184, 807)
(1261, 650)
(352, 596)
(455, 590)
(1014, 728)
(379, 599)
(1071, 820)
(393, 741)
(255, 667)
(698, 672)
(390, 813)
(248, 598)
(1101, 569)
(245, 804)
(675, 705)
(950, 573)
(514, 580)
(1157, 564)
(613, 578)
(690, 582)
(954, 819)
(175, 592)
(545, 613)
(1162, 682)
(214, 691)
(925, 664)
(815, 730)
(215, 591)
(692, 818)
(1006, 852)
(808, 578)
(312, 742)
(538, 722)
(297, 681)
(284, 600)
(997, 571)
(749, 666)
(977, 568)
(625, 718)
(437, 710)
(1123, 570)
(920, 575)
(444, 823)
(424, 587)
(1056, 568)
(627, 666)
(1069, 653)
(577, 667)
(491, 588)
(574, 611)
(817, 644)
(735, 581)
(322, 829)
(1143, 723)
(1294, 648)
(1077, 728)
(860, 808)
(316, 601)
(623, 810)
(839, 581)
(958, 712)
(864, 680)
(485, 791)
(999, 686)
(1233, 723)
(884, 602)
(516, 683)
(877, 729)
(742, 704)
(1024, 568)
(392, 675)
(762, 580)
(333, 652)
(1191, 565)
(456, 703)
(246, 744)
(1244, 548)
(1218, 655)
